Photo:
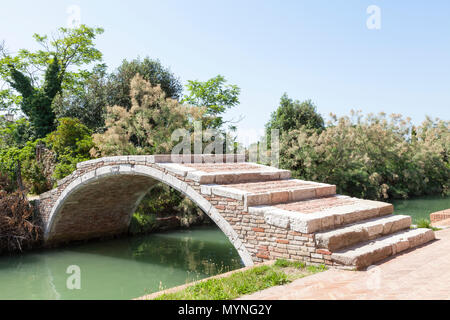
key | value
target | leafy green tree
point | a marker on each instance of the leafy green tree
(35, 78)
(36, 103)
(292, 115)
(215, 95)
(88, 102)
(71, 47)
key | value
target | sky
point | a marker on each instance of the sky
(342, 55)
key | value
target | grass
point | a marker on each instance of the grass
(245, 282)
(425, 223)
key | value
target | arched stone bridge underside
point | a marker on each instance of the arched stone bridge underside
(264, 213)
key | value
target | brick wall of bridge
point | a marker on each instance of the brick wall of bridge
(102, 206)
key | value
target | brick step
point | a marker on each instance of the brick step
(320, 214)
(226, 173)
(367, 253)
(361, 231)
(271, 191)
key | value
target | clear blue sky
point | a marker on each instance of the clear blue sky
(319, 50)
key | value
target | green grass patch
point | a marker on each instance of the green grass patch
(425, 223)
(245, 282)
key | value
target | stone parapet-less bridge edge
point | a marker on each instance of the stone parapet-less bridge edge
(263, 211)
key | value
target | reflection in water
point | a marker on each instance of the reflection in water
(119, 269)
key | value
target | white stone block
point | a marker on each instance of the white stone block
(229, 192)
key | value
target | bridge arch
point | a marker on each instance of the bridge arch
(115, 191)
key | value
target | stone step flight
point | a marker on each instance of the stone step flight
(265, 213)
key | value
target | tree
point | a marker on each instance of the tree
(146, 127)
(150, 70)
(36, 103)
(292, 115)
(87, 103)
(215, 95)
(34, 78)
(89, 100)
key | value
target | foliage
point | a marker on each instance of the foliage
(71, 47)
(145, 128)
(71, 137)
(375, 157)
(33, 172)
(71, 142)
(215, 95)
(243, 282)
(425, 223)
(19, 229)
(14, 133)
(164, 202)
(142, 222)
(153, 71)
(87, 102)
(292, 115)
(36, 102)
(45, 160)
(34, 89)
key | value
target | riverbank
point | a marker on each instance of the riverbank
(234, 284)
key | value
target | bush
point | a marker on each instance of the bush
(44, 161)
(36, 166)
(374, 157)
(293, 114)
(71, 142)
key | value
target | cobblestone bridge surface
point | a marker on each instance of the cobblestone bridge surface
(263, 211)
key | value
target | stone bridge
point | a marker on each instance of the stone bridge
(263, 211)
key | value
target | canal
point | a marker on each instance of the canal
(421, 207)
(123, 268)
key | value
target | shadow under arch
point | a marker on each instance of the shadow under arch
(101, 203)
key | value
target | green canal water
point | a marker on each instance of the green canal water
(119, 269)
(131, 267)
(421, 207)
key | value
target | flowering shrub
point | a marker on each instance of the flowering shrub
(375, 157)
(145, 128)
